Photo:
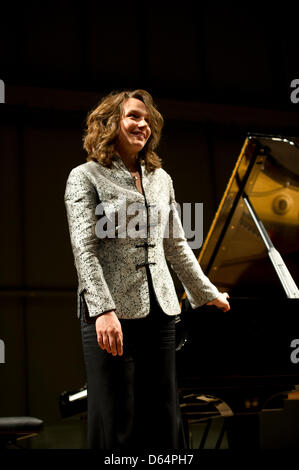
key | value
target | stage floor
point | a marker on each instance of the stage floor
(279, 429)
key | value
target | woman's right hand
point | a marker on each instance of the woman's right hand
(109, 333)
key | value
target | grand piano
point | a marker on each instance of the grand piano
(233, 365)
(238, 363)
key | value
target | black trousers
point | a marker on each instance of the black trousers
(133, 399)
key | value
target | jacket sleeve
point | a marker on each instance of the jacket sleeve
(199, 289)
(81, 200)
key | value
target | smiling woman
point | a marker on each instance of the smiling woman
(127, 300)
(110, 116)
(134, 129)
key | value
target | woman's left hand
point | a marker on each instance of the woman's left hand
(221, 302)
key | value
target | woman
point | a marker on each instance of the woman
(126, 297)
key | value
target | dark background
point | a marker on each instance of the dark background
(215, 72)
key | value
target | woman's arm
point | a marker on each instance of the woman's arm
(81, 200)
(198, 287)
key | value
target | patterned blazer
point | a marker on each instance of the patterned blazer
(112, 246)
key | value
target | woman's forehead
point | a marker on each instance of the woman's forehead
(135, 104)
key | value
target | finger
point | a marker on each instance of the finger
(106, 343)
(119, 345)
(100, 341)
(112, 343)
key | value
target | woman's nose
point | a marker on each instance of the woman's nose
(142, 123)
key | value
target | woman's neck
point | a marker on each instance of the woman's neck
(131, 162)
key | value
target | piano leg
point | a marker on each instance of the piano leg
(243, 431)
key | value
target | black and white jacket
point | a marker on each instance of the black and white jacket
(111, 252)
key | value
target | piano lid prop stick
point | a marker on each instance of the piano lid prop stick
(279, 265)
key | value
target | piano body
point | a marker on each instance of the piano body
(238, 363)
(235, 364)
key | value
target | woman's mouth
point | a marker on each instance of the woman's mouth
(139, 134)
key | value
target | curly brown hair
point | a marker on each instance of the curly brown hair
(103, 126)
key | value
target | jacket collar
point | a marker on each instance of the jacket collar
(119, 164)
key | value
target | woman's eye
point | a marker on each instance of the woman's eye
(136, 116)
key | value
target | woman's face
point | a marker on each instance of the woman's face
(134, 128)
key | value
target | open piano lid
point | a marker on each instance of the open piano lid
(253, 243)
